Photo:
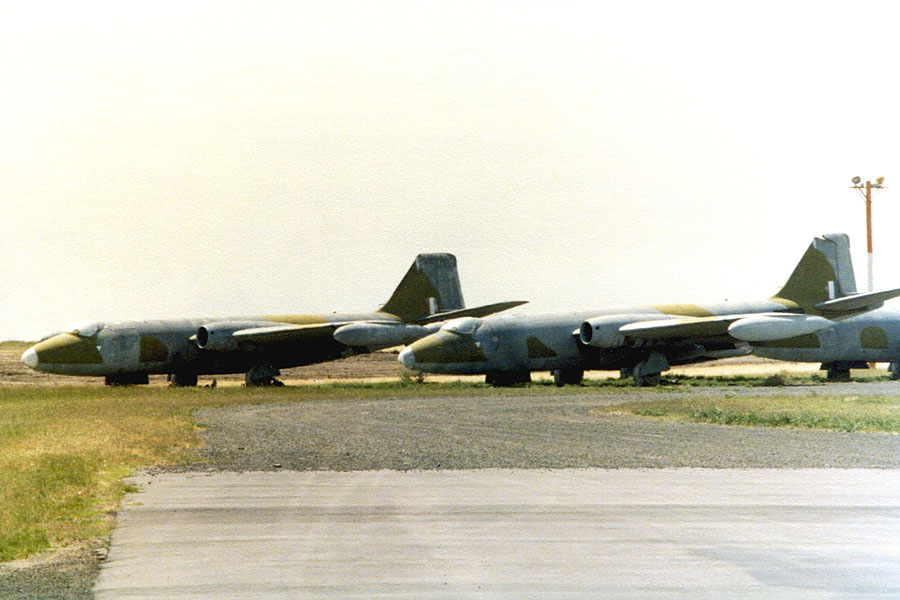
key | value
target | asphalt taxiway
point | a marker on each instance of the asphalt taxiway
(509, 533)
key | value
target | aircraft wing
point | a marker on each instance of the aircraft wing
(283, 333)
(232, 335)
(366, 333)
(753, 327)
(757, 326)
(373, 334)
(476, 311)
(683, 327)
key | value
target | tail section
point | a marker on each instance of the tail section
(430, 286)
(824, 273)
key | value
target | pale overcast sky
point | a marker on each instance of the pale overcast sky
(225, 158)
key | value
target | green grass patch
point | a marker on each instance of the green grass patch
(851, 413)
(773, 380)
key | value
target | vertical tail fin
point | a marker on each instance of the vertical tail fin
(430, 286)
(825, 272)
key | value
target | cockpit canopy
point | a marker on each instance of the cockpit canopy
(462, 325)
(84, 328)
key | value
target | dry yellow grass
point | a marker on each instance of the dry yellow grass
(63, 452)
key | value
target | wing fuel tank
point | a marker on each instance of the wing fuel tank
(373, 335)
(766, 328)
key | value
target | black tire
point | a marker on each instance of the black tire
(838, 374)
(183, 379)
(507, 378)
(563, 377)
(128, 379)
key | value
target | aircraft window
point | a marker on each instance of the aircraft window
(462, 326)
(85, 328)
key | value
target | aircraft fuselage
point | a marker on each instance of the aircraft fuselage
(870, 337)
(550, 342)
(169, 346)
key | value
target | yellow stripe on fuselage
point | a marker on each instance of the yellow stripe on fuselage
(683, 310)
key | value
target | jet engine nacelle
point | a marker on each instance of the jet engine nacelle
(376, 335)
(219, 336)
(603, 332)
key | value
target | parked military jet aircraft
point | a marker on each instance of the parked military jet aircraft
(851, 343)
(126, 352)
(854, 342)
(643, 342)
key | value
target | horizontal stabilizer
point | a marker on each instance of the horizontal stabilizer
(768, 327)
(477, 311)
(855, 302)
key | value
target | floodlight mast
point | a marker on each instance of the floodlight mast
(866, 191)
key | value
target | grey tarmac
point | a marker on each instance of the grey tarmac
(491, 533)
(522, 431)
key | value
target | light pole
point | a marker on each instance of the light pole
(866, 191)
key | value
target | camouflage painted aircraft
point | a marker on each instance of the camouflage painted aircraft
(127, 352)
(857, 341)
(643, 342)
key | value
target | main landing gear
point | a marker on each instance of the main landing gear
(507, 378)
(648, 373)
(261, 375)
(649, 380)
(563, 377)
(182, 379)
(127, 379)
(840, 370)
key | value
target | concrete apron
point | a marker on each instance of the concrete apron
(630, 533)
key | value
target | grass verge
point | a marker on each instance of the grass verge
(850, 413)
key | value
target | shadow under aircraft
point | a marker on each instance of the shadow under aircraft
(642, 342)
(128, 352)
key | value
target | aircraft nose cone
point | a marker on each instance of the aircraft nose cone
(444, 352)
(408, 358)
(30, 358)
(62, 351)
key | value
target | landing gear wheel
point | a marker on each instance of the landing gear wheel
(507, 378)
(128, 379)
(895, 370)
(838, 374)
(182, 379)
(645, 379)
(562, 377)
(263, 375)
(653, 379)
